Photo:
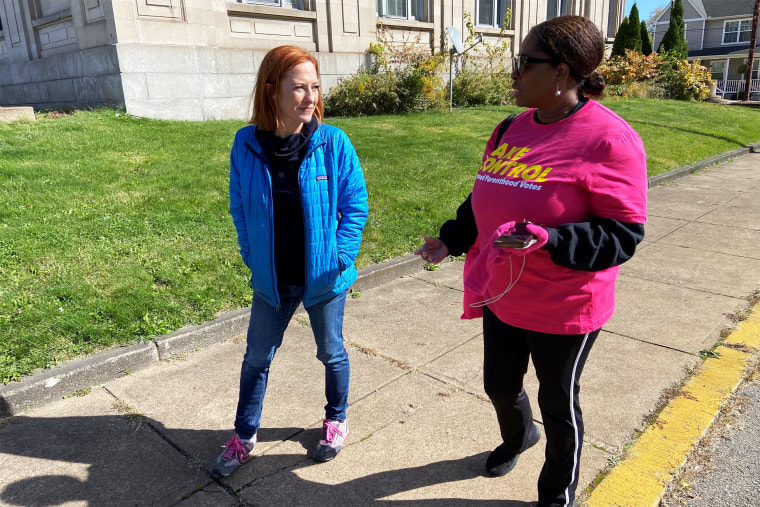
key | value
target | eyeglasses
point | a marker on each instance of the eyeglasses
(519, 62)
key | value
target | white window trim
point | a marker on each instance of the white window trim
(425, 15)
(738, 33)
(270, 11)
(724, 64)
(494, 22)
(280, 4)
(755, 74)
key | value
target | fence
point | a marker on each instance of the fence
(734, 87)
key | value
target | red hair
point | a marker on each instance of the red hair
(275, 64)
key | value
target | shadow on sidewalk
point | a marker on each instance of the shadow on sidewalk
(131, 459)
(376, 488)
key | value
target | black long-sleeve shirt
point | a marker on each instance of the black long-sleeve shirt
(596, 245)
(285, 157)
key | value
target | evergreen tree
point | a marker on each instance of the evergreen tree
(628, 35)
(619, 44)
(674, 41)
(634, 31)
(646, 43)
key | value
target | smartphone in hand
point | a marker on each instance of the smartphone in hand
(515, 241)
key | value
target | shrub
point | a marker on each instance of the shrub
(632, 67)
(484, 75)
(683, 80)
(403, 78)
(637, 89)
(664, 76)
(362, 94)
(473, 88)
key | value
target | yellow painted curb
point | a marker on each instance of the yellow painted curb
(640, 480)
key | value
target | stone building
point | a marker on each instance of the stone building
(197, 59)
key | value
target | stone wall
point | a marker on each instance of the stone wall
(197, 59)
(201, 83)
(87, 78)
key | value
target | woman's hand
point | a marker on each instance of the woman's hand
(433, 251)
(539, 233)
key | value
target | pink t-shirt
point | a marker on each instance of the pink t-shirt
(591, 163)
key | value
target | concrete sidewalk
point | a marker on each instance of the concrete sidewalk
(421, 425)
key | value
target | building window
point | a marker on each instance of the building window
(402, 9)
(611, 18)
(493, 12)
(288, 4)
(718, 69)
(556, 8)
(735, 32)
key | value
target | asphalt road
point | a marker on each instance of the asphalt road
(725, 471)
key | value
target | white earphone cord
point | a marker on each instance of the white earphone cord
(511, 284)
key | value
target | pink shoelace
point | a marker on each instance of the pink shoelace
(330, 430)
(235, 448)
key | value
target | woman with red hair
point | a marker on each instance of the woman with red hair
(299, 203)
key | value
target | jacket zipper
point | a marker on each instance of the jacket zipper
(265, 162)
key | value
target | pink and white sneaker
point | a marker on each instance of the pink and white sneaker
(334, 433)
(236, 452)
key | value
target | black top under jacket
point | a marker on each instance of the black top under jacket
(285, 158)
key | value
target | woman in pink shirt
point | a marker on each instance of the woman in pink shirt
(570, 175)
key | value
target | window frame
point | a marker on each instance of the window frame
(563, 7)
(409, 7)
(300, 5)
(611, 9)
(722, 64)
(738, 32)
(496, 20)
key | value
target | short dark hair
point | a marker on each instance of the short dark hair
(576, 41)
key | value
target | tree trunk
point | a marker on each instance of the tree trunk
(751, 56)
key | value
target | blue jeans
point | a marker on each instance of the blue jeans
(265, 331)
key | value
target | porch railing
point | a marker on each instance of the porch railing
(733, 87)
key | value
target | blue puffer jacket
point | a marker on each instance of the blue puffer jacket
(334, 202)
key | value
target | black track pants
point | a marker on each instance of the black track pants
(559, 361)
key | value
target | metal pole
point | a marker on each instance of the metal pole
(751, 54)
(451, 81)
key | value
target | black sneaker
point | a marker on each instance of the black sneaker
(501, 461)
(571, 504)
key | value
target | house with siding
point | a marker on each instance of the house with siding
(718, 34)
(197, 59)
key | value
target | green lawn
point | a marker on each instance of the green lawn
(115, 229)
